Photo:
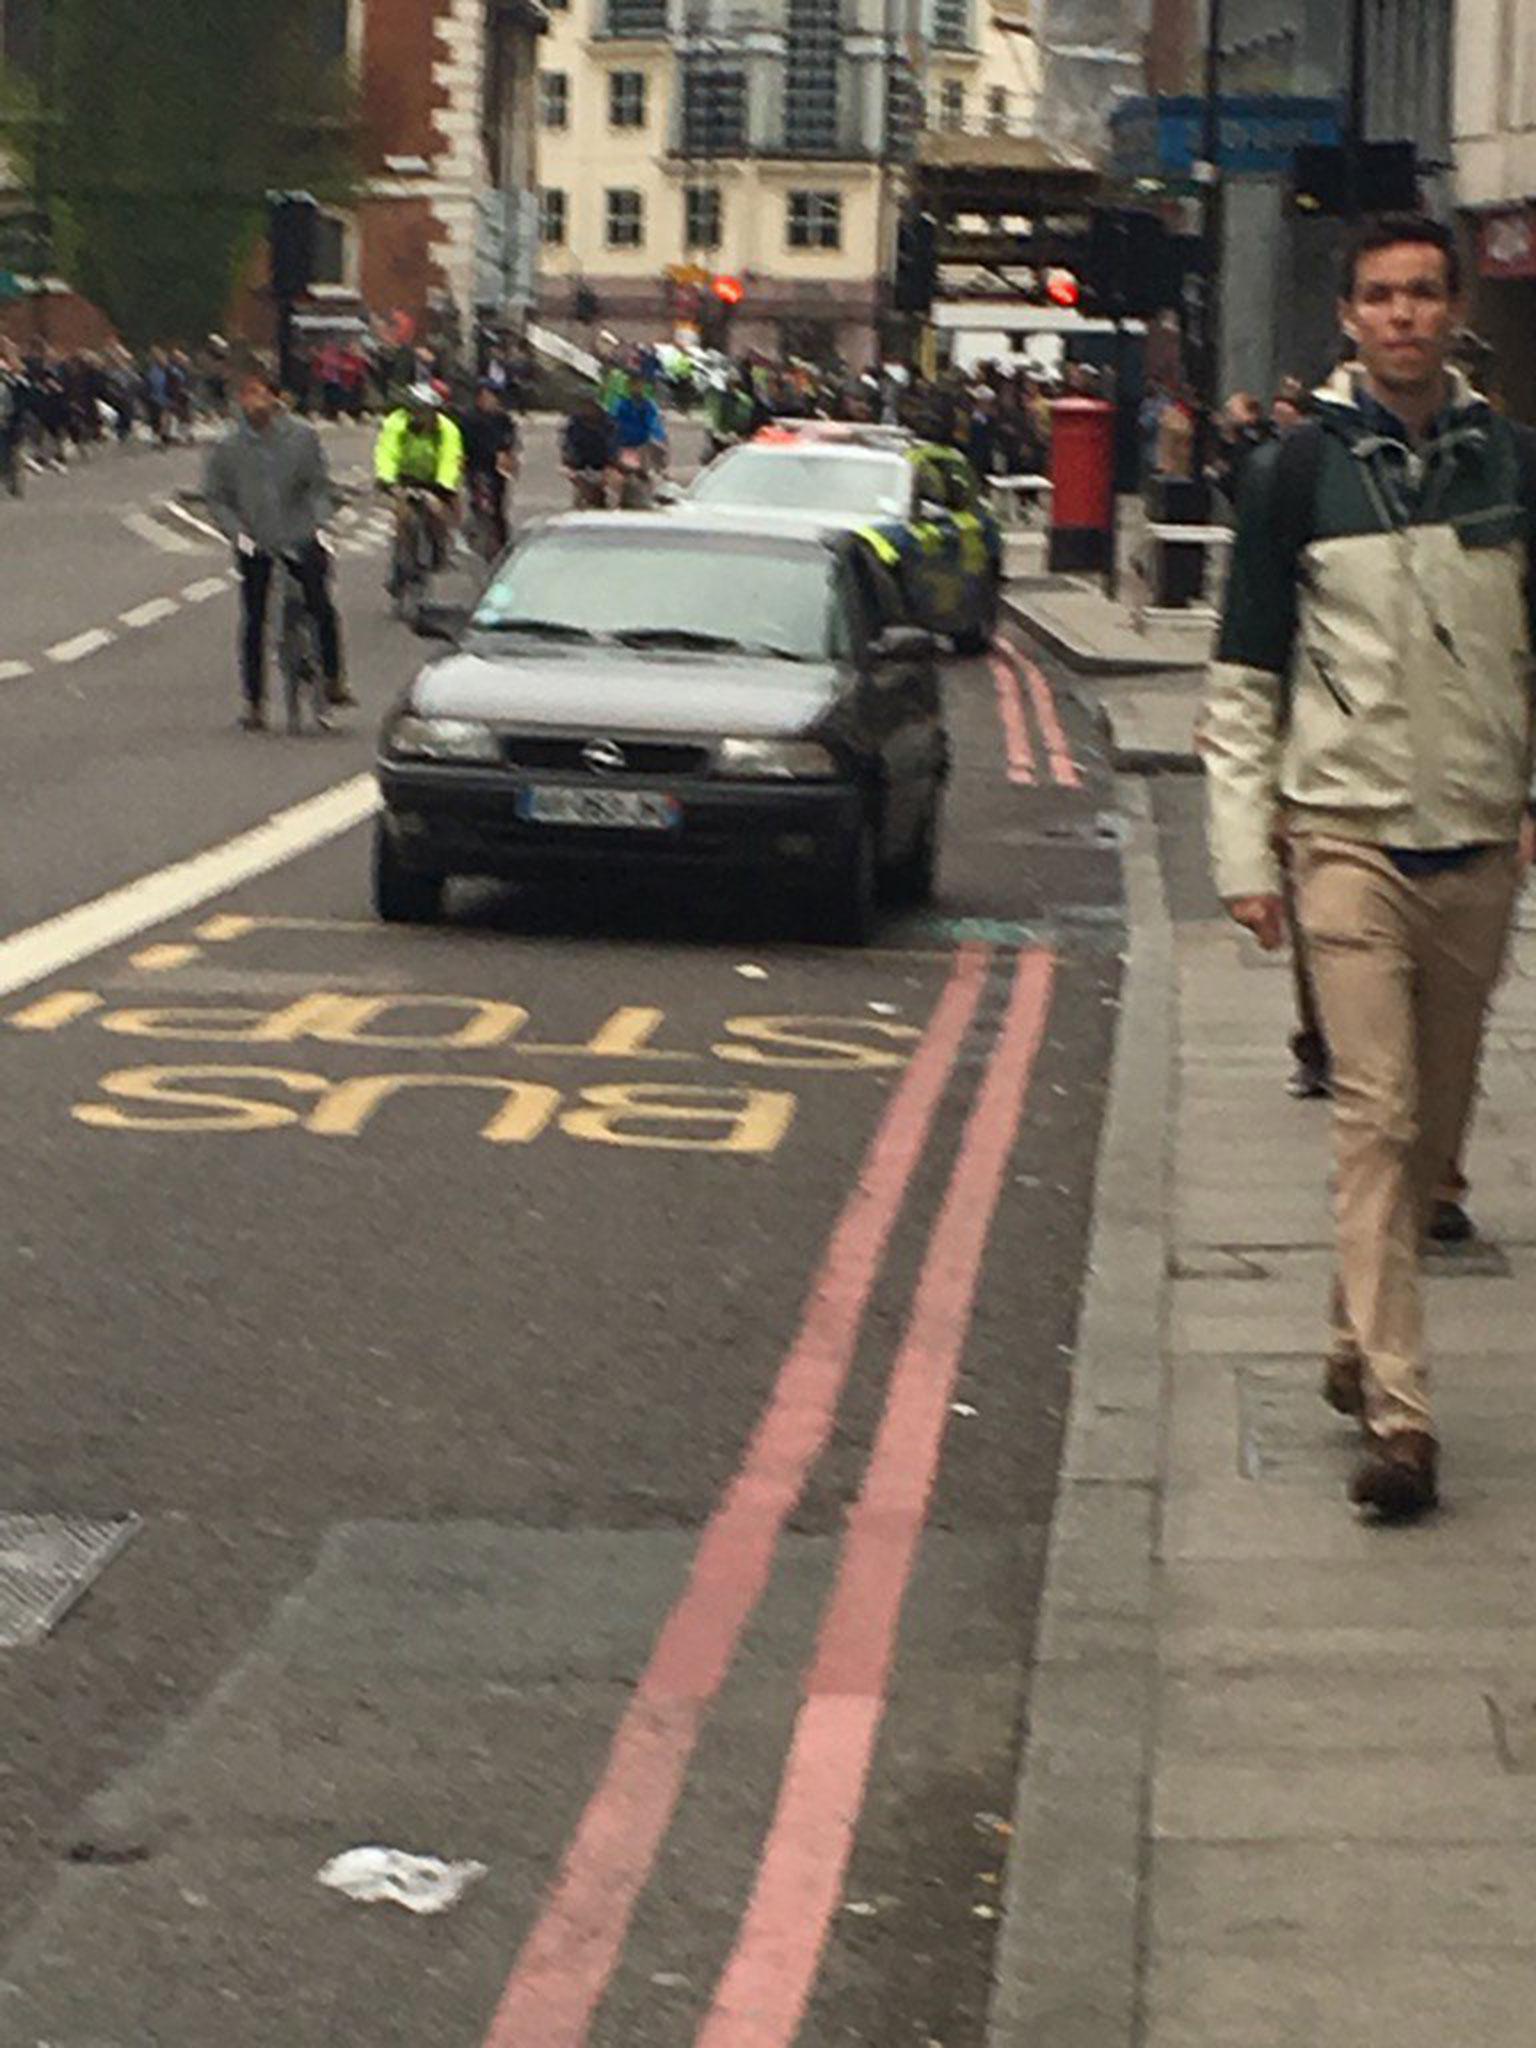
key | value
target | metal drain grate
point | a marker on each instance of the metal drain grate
(46, 1563)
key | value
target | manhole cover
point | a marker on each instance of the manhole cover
(46, 1563)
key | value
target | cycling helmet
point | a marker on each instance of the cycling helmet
(423, 398)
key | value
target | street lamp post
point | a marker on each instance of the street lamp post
(1212, 220)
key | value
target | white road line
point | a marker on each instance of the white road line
(210, 586)
(189, 518)
(43, 949)
(13, 671)
(150, 614)
(82, 645)
(157, 535)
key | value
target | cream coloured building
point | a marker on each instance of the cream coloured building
(760, 141)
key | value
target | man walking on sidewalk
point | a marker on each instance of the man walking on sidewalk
(1371, 705)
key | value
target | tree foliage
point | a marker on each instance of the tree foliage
(156, 131)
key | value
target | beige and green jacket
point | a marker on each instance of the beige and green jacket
(1374, 674)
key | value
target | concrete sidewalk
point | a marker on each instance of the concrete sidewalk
(1145, 684)
(1280, 1790)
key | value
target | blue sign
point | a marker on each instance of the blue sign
(1260, 132)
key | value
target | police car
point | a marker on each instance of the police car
(916, 506)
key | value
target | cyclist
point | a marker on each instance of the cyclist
(642, 441)
(491, 454)
(268, 487)
(420, 446)
(589, 448)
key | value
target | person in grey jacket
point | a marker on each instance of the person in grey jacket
(269, 488)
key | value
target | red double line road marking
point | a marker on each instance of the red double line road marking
(570, 1955)
(1010, 709)
(1064, 768)
(762, 1995)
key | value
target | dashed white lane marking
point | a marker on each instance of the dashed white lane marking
(190, 518)
(152, 613)
(157, 535)
(210, 586)
(32, 955)
(82, 645)
(13, 671)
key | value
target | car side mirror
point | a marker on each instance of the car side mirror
(441, 621)
(904, 643)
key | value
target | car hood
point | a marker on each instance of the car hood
(605, 688)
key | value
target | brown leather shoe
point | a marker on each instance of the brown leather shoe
(1344, 1384)
(1398, 1476)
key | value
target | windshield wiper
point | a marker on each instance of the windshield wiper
(544, 629)
(687, 637)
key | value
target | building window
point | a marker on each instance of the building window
(554, 99)
(815, 220)
(633, 18)
(714, 109)
(552, 217)
(702, 216)
(952, 105)
(813, 52)
(997, 110)
(952, 24)
(332, 30)
(626, 99)
(330, 249)
(625, 219)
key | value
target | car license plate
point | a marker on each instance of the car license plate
(629, 810)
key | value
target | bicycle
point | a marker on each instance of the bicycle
(298, 658)
(482, 534)
(414, 562)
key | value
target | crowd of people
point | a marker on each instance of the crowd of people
(55, 406)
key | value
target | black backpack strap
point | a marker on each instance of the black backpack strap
(1297, 472)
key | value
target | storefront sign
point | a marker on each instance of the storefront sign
(1260, 133)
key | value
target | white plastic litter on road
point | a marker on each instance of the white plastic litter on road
(390, 1877)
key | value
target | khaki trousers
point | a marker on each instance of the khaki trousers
(1404, 968)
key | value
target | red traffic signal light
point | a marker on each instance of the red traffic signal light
(1063, 289)
(730, 291)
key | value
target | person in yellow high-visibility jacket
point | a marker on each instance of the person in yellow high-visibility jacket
(420, 447)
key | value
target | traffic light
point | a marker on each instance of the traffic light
(1134, 264)
(730, 291)
(917, 263)
(293, 231)
(1386, 179)
(1063, 289)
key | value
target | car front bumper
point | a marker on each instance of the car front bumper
(452, 820)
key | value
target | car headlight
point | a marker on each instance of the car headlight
(777, 760)
(441, 739)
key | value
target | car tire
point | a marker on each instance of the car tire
(978, 638)
(845, 911)
(400, 895)
(913, 880)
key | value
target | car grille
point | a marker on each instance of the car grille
(641, 757)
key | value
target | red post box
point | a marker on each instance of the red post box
(1082, 484)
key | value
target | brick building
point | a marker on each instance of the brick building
(443, 230)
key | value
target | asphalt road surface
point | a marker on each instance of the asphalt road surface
(575, 1392)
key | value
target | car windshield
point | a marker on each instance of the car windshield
(803, 480)
(638, 585)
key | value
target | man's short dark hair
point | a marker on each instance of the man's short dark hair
(1390, 231)
(258, 373)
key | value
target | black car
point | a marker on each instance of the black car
(678, 696)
